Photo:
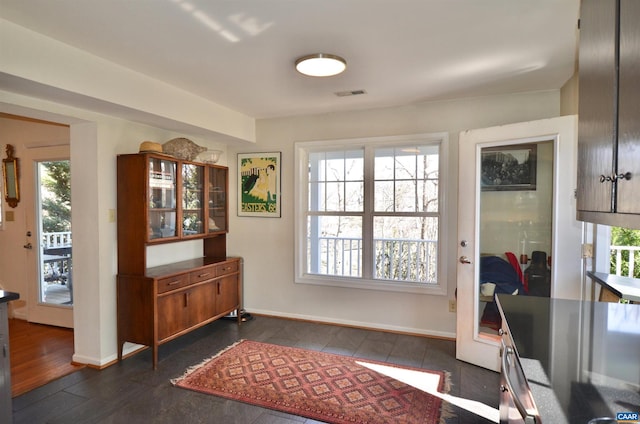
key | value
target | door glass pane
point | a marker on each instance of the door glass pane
(54, 211)
(192, 199)
(162, 198)
(515, 225)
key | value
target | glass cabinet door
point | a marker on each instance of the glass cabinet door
(162, 198)
(192, 199)
(217, 202)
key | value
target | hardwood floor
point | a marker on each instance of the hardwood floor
(39, 355)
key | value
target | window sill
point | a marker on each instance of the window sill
(378, 285)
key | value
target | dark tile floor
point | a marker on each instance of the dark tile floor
(131, 392)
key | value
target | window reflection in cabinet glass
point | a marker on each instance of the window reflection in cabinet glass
(162, 198)
(217, 200)
(192, 199)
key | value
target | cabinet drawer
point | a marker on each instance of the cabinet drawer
(203, 274)
(227, 268)
(172, 283)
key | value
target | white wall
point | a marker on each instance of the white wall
(266, 244)
(95, 141)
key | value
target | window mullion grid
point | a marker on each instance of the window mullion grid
(369, 215)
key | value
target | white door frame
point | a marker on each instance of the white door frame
(566, 272)
(58, 315)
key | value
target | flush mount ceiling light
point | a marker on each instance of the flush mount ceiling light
(321, 65)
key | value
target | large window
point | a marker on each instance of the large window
(370, 213)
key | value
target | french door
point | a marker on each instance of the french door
(49, 237)
(516, 207)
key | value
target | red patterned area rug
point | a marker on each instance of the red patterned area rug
(317, 385)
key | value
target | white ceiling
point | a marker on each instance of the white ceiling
(240, 53)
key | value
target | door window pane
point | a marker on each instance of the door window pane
(54, 211)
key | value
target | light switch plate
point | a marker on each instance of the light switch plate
(9, 216)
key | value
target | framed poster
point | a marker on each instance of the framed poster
(259, 184)
(509, 168)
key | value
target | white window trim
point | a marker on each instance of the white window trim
(301, 197)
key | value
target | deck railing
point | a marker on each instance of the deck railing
(56, 263)
(620, 260)
(57, 239)
(412, 260)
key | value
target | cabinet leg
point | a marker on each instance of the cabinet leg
(154, 352)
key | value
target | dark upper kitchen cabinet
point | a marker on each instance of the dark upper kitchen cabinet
(609, 113)
(629, 108)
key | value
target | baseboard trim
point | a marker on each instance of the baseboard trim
(355, 324)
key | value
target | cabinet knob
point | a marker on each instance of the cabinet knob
(614, 177)
(625, 176)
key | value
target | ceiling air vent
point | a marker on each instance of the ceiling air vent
(350, 93)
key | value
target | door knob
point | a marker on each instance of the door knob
(464, 260)
(28, 246)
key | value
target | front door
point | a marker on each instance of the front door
(50, 265)
(517, 232)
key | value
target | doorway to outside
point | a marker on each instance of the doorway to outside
(50, 260)
(54, 211)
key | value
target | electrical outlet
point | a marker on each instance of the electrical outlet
(452, 305)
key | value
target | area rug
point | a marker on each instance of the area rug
(322, 386)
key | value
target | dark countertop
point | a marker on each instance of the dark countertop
(581, 359)
(623, 287)
(6, 296)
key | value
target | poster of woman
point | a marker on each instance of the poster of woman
(259, 184)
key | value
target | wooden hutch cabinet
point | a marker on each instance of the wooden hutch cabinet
(164, 200)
